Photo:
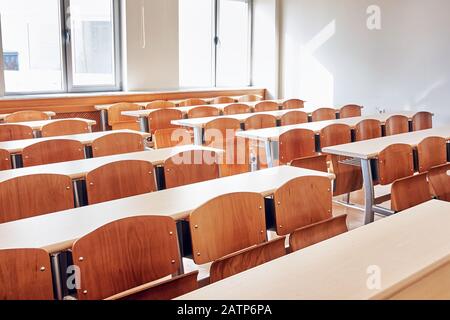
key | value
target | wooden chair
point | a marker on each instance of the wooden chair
(335, 134)
(431, 152)
(5, 160)
(119, 122)
(293, 211)
(395, 162)
(203, 112)
(317, 163)
(190, 167)
(10, 132)
(218, 130)
(396, 125)
(260, 121)
(161, 119)
(169, 138)
(293, 104)
(317, 232)
(121, 179)
(294, 117)
(25, 274)
(160, 104)
(117, 143)
(163, 291)
(227, 224)
(267, 106)
(439, 178)
(192, 102)
(324, 114)
(52, 151)
(28, 196)
(368, 129)
(247, 259)
(236, 108)
(125, 254)
(350, 111)
(222, 100)
(410, 192)
(250, 98)
(64, 128)
(422, 121)
(296, 143)
(25, 116)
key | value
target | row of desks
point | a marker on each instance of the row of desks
(394, 258)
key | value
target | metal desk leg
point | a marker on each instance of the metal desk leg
(75, 194)
(57, 276)
(104, 119)
(198, 136)
(368, 191)
(269, 153)
(143, 124)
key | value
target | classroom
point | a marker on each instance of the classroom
(224, 150)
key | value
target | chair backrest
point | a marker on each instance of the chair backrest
(236, 108)
(52, 151)
(368, 129)
(293, 104)
(5, 160)
(64, 127)
(335, 134)
(117, 143)
(350, 111)
(323, 114)
(422, 120)
(161, 119)
(395, 162)
(115, 116)
(318, 232)
(190, 167)
(439, 178)
(160, 104)
(125, 254)
(293, 211)
(10, 132)
(162, 291)
(348, 177)
(168, 138)
(203, 112)
(317, 163)
(221, 100)
(266, 106)
(24, 116)
(223, 126)
(296, 143)
(192, 102)
(250, 98)
(120, 179)
(397, 124)
(410, 192)
(294, 117)
(247, 259)
(227, 224)
(25, 274)
(28, 196)
(431, 152)
(260, 121)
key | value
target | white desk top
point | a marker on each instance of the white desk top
(37, 125)
(48, 113)
(272, 134)
(402, 246)
(85, 138)
(78, 169)
(57, 231)
(370, 149)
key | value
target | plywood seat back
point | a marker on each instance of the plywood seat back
(293, 104)
(422, 120)
(368, 129)
(227, 224)
(236, 108)
(52, 151)
(296, 143)
(203, 112)
(219, 130)
(120, 179)
(324, 114)
(301, 202)
(250, 98)
(222, 100)
(160, 104)
(25, 116)
(172, 137)
(115, 113)
(117, 143)
(348, 177)
(410, 192)
(65, 127)
(11, 132)
(395, 162)
(317, 163)
(294, 117)
(260, 121)
(33, 195)
(5, 160)
(396, 125)
(266, 106)
(125, 254)
(439, 178)
(335, 134)
(161, 119)
(350, 111)
(431, 152)
(192, 102)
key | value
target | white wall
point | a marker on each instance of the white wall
(155, 65)
(329, 55)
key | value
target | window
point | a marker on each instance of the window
(60, 45)
(215, 42)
